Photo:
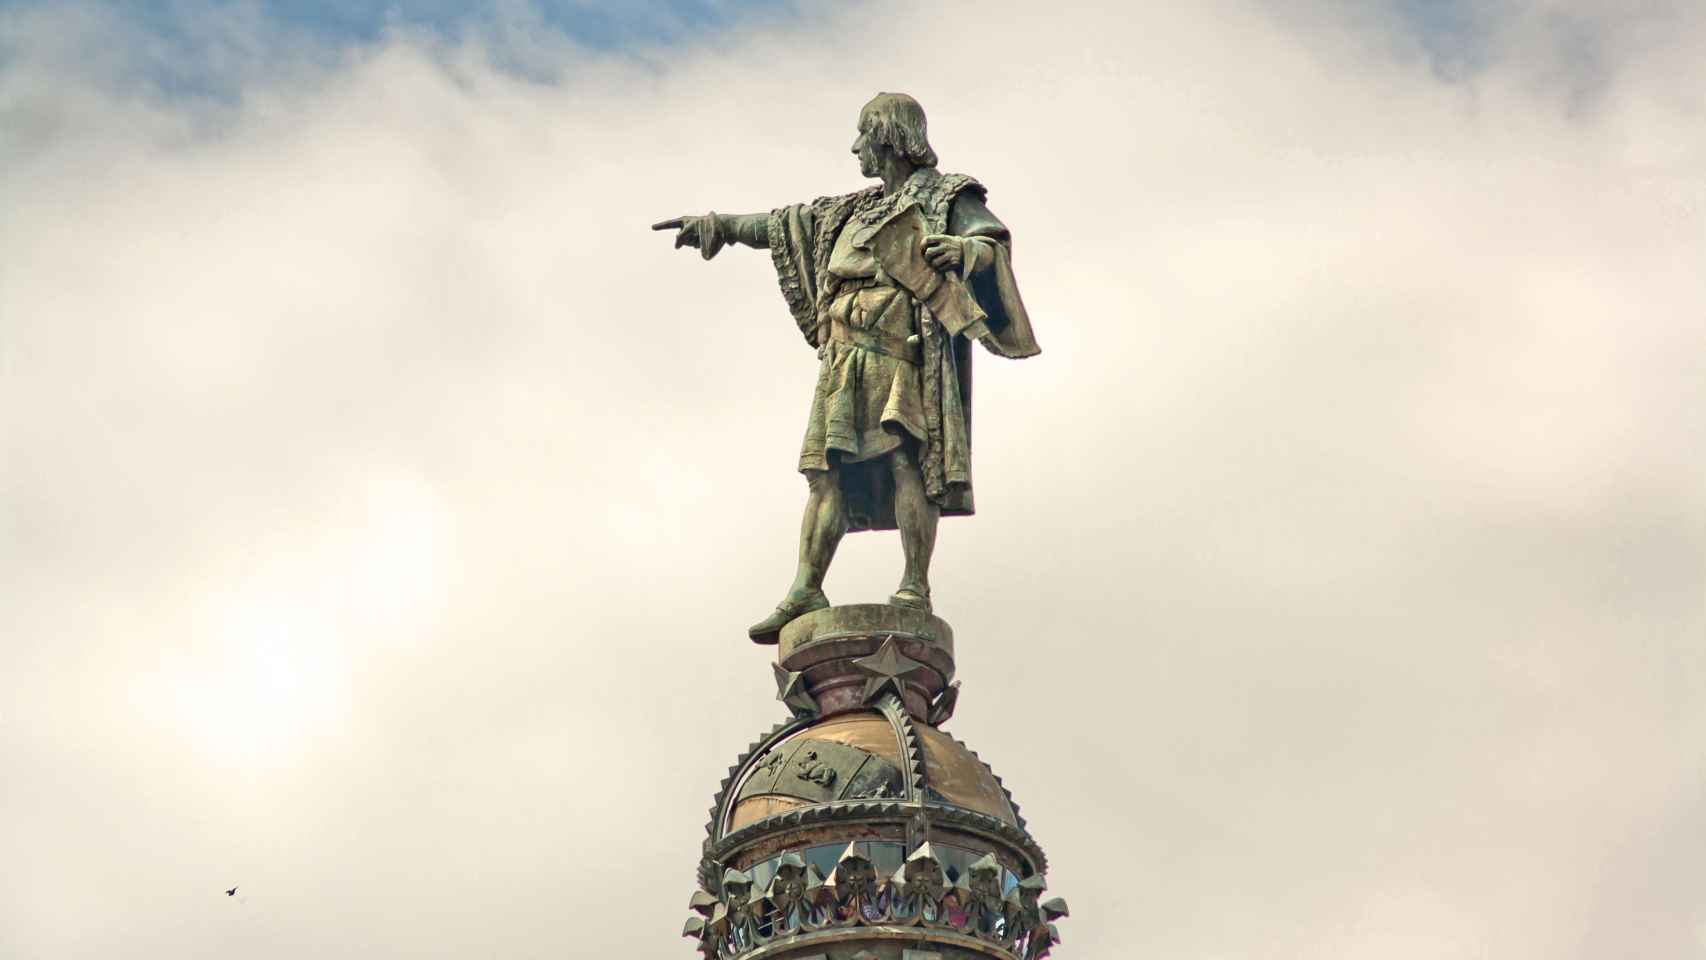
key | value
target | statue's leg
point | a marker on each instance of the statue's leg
(821, 527)
(916, 516)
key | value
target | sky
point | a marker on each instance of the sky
(382, 504)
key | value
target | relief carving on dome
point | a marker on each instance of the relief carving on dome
(820, 771)
(809, 767)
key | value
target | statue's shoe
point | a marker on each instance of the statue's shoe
(909, 597)
(769, 630)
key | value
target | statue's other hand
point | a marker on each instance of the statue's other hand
(698, 232)
(945, 252)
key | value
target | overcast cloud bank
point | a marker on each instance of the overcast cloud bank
(383, 502)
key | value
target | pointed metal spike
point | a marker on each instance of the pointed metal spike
(694, 927)
(1055, 909)
(701, 902)
(943, 709)
(791, 690)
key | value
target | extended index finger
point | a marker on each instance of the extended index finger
(674, 224)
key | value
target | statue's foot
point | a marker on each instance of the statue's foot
(797, 603)
(917, 598)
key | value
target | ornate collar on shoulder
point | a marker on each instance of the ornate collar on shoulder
(916, 189)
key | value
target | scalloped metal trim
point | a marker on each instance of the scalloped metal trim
(1009, 794)
(866, 934)
(881, 811)
(910, 748)
(799, 908)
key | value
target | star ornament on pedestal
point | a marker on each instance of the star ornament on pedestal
(888, 670)
(791, 690)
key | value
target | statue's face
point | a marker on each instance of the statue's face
(867, 149)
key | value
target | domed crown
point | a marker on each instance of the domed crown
(860, 815)
(862, 756)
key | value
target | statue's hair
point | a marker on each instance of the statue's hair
(896, 120)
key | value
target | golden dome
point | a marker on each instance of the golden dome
(860, 756)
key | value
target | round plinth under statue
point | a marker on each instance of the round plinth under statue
(844, 658)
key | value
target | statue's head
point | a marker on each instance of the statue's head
(892, 122)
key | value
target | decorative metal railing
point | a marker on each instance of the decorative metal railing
(799, 902)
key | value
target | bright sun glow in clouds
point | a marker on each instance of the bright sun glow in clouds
(268, 667)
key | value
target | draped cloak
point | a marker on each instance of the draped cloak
(802, 238)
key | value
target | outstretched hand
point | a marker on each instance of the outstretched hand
(687, 227)
(700, 233)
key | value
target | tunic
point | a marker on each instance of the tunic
(886, 373)
(869, 392)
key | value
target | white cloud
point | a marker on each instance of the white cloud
(384, 502)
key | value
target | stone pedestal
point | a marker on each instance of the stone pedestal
(843, 654)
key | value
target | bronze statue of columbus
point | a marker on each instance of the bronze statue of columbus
(890, 284)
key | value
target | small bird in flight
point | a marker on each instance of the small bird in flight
(231, 892)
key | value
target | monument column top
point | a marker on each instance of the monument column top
(844, 658)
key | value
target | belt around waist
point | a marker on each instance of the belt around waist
(874, 340)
